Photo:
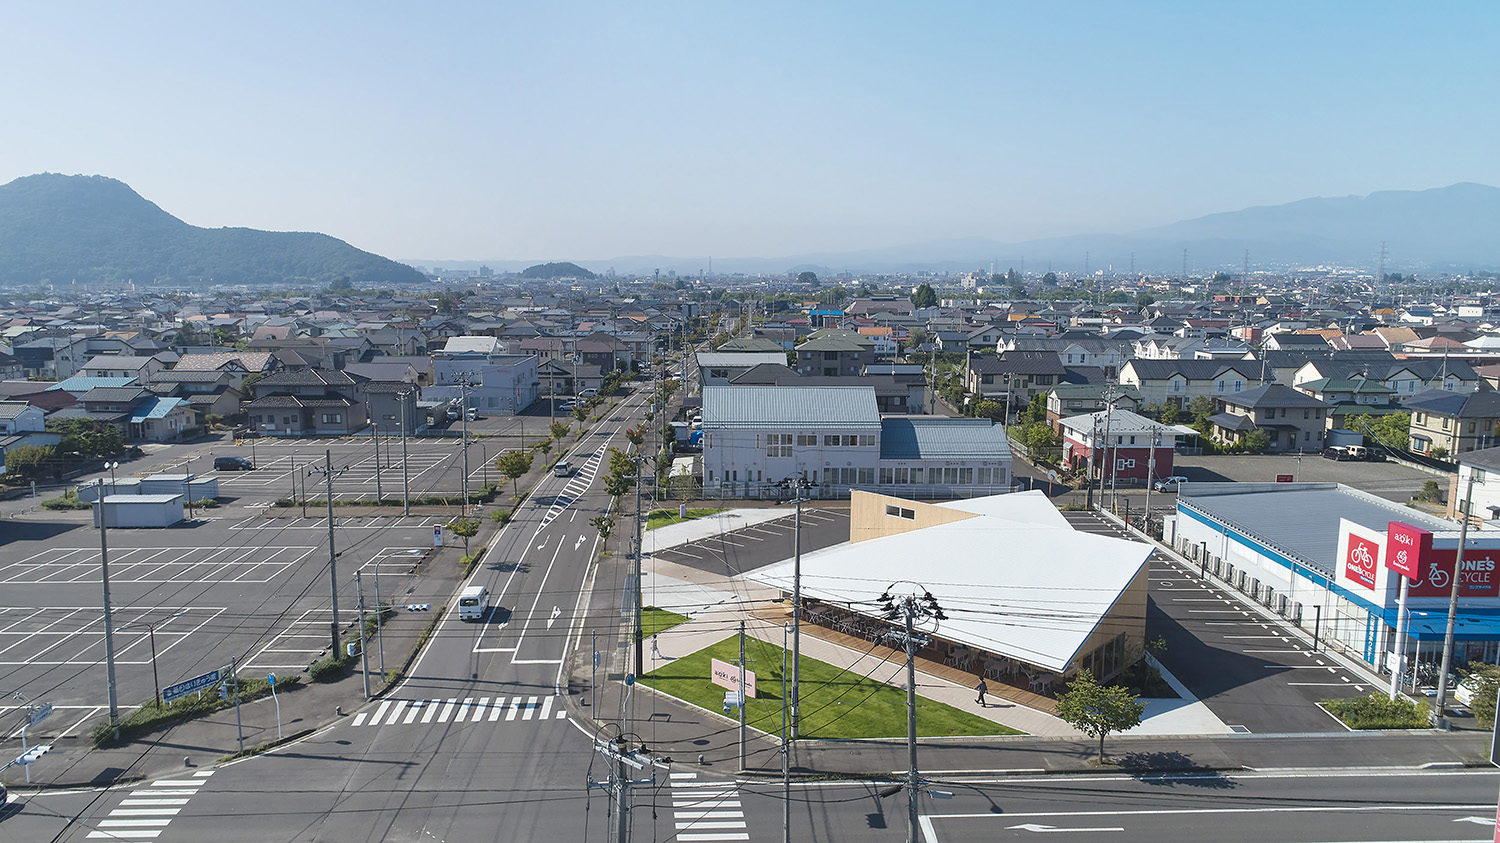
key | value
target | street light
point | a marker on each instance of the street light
(151, 634)
(111, 466)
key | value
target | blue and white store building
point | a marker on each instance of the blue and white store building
(1316, 553)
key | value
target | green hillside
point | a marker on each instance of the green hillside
(91, 228)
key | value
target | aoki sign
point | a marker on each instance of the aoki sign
(1407, 550)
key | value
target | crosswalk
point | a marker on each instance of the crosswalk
(707, 810)
(398, 712)
(146, 812)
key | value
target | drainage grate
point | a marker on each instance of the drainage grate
(1239, 730)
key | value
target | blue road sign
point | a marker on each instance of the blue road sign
(190, 686)
(271, 679)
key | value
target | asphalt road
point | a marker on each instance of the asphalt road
(474, 745)
(1255, 808)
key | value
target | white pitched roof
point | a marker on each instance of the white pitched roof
(1018, 580)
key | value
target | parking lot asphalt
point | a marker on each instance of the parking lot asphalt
(1254, 673)
(256, 589)
(733, 553)
(1386, 479)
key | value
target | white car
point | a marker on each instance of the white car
(1169, 484)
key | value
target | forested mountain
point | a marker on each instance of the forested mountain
(61, 228)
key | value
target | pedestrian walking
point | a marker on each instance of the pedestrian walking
(655, 653)
(982, 689)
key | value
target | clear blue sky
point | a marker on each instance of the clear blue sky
(584, 131)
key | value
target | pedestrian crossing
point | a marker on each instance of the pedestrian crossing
(146, 812)
(707, 810)
(397, 712)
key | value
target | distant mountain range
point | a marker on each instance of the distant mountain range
(61, 229)
(1450, 228)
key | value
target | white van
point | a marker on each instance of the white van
(474, 603)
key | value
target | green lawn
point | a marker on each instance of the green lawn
(663, 517)
(835, 703)
(654, 620)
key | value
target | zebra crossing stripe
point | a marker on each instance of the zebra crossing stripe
(447, 710)
(497, 709)
(396, 712)
(515, 708)
(479, 710)
(463, 710)
(416, 708)
(380, 712)
(546, 708)
(431, 707)
(531, 705)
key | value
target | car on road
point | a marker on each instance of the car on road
(232, 464)
(562, 469)
(474, 603)
(1169, 484)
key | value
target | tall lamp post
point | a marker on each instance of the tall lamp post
(800, 486)
(151, 634)
(109, 633)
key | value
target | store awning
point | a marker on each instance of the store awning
(1472, 625)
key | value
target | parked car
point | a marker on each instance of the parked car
(566, 406)
(588, 393)
(1169, 484)
(453, 414)
(232, 464)
(472, 414)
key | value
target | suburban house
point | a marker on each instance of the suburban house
(1074, 399)
(722, 367)
(756, 436)
(1453, 422)
(1291, 420)
(21, 417)
(1073, 349)
(834, 353)
(1178, 382)
(1404, 377)
(1351, 397)
(210, 392)
(139, 414)
(1017, 374)
(490, 382)
(565, 379)
(1128, 437)
(310, 402)
(143, 369)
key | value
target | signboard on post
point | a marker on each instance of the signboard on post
(727, 675)
(190, 686)
(437, 536)
(1408, 550)
(1285, 478)
(40, 713)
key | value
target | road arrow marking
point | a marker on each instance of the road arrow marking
(1476, 820)
(552, 620)
(1052, 829)
(578, 543)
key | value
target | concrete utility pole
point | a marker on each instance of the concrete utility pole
(405, 479)
(786, 753)
(364, 652)
(621, 758)
(744, 698)
(375, 432)
(1440, 714)
(635, 564)
(1151, 474)
(333, 564)
(463, 407)
(917, 604)
(109, 627)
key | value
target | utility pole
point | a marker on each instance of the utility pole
(364, 653)
(917, 604)
(621, 758)
(786, 753)
(1151, 473)
(800, 486)
(333, 564)
(1088, 474)
(405, 480)
(463, 391)
(1109, 410)
(635, 565)
(744, 698)
(1441, 715)
(109, 627)
(375, 432)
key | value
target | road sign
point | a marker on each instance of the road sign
(190, 686)
(437, 536)
(1285, 478)
(40, 713)
(271, 679)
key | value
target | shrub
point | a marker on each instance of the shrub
(1431, 492)
(149, 718)
(1377, 711)
(69, 500)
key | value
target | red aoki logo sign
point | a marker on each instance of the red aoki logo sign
(1359, 565)
(1408, 550)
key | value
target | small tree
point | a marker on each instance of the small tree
(636, 436)
(1256, 442)
(604, 524)
(513, 464)
(581, 412)
(558, 430)
(25, 461)
(1096, 710)
(464, 528)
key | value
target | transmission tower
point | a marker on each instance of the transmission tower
(1380, 266)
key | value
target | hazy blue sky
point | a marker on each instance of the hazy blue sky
(559, 130)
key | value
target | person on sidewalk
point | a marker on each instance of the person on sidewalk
(655, 653)
(982, 689)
